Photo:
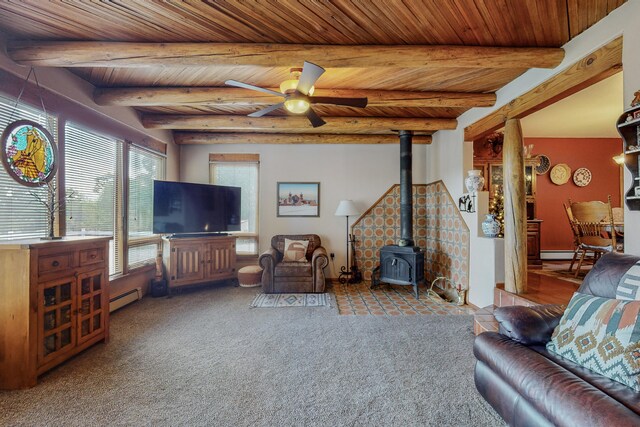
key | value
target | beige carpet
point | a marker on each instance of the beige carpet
(204, 357)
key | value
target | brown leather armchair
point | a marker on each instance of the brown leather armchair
(281, 277)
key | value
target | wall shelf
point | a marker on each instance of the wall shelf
(630, 132)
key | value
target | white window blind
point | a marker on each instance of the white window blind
(92, 163)
(245, 176)
(21, 216)
(144, 167)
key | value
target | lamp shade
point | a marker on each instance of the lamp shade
(619, 159)
(347, 208)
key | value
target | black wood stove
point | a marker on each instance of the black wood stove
(402, 264)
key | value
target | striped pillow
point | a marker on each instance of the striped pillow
(602, 335)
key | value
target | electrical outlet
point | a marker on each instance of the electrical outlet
(332, 255)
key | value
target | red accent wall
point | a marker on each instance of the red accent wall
(594, 154)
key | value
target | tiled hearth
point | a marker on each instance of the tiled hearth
(385, 300)
(438, 229)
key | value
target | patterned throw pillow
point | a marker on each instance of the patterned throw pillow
(602, 335)
(295, 250)
(629, 286)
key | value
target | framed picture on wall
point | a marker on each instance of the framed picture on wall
(298, 199)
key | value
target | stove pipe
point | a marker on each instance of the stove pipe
(406, 189)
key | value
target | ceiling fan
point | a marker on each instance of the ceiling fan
(297, 93)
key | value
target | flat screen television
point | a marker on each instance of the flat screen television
(185, 208)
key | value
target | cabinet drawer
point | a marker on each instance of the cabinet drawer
(54, 263)
(533, 226)
(91, 256)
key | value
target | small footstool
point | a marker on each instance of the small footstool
(250, 276)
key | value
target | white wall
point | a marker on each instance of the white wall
(352, 171)
(486, 262)
(72, 87)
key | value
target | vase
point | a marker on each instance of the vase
(491, 226)
(474, 181)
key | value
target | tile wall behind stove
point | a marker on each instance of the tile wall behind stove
(438, 228)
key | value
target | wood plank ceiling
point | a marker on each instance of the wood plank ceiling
(421, 63)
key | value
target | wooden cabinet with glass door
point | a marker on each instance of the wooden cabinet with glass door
(494, 181)
(55, 304)
(493, 172)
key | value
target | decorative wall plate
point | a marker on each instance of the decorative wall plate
(29, 153)
(544, 165)
(582, 177)
(560, 173)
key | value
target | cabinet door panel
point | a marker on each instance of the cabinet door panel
(222, 259)
(56, 328)
(188, 261)
(91, 305)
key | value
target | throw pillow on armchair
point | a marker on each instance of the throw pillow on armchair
(295, 250)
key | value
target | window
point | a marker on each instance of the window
(240, 170)
(144, 167)
(92, 172)
(93, 167)
(21, 216)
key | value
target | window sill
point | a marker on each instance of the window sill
(134, 271)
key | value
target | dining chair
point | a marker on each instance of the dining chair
(594, 222)
(618, 221)
(574, 230)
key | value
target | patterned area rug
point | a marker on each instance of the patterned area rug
(388, 300)
(289, 300)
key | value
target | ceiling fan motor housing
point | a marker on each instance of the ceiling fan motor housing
(291, 84)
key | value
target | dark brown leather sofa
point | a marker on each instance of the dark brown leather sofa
(284, 277)
(529, 386)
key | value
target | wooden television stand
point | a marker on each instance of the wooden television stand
(194, 259)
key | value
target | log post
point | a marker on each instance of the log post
(515, 212)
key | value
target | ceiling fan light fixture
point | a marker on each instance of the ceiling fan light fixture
(296, 105)
(291, 84)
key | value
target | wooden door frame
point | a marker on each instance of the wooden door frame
(599, 65)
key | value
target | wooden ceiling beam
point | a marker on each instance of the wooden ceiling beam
(295, 124)
(131, 55)
(225, 96)
(185, 138)
(597, 66)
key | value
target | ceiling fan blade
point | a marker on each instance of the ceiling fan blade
(349, 102)
(267, 110)
(315, 119)
(310, 74)
(252, 87)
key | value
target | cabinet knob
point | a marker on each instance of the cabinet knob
(93, 256)
(55, 263)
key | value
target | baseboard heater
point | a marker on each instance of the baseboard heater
(125, 299)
